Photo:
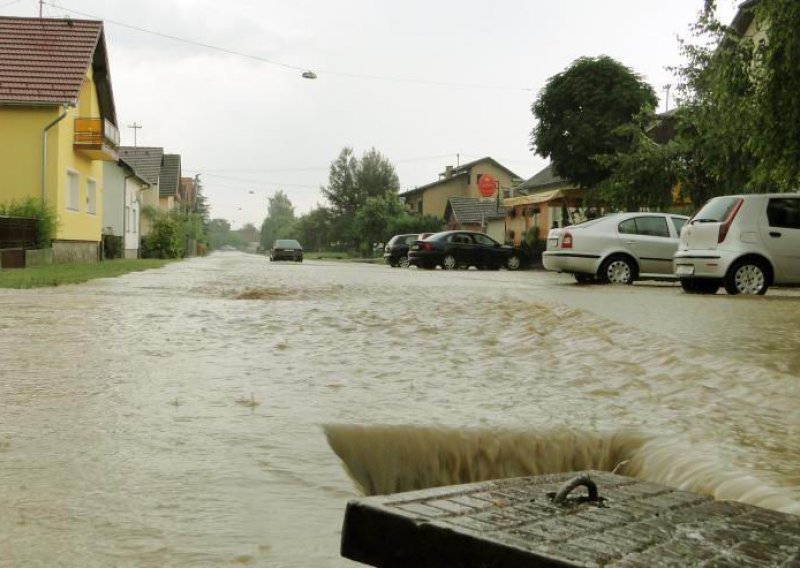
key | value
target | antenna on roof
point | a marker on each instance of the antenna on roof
(135, 127)
(41, 3)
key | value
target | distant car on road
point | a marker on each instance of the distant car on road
(618, 249)
(286, 249)
(395, 253)
(462, 249)
(745, 243)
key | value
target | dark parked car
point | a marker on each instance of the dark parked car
(395, 253)
(462, 249)
(286, 249)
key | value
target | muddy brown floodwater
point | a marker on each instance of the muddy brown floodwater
(196, 415)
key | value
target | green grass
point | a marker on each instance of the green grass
(58, 274)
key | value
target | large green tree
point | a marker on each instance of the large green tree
(279, 221)
(579, 113)
(353, 183)
(740, 115)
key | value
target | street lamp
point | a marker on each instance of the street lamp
(309, 75)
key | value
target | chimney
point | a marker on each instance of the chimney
(448, 172)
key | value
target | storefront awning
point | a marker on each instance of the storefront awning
(542, 197)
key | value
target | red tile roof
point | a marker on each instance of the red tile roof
(43, 61)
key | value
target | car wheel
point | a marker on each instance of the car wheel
(581, 278)
(403, 262)
(449, 262)
(618, 270)
(747, 277)
(513, 262)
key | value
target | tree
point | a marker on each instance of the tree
(374, 219)
(279, 221)
(642, 176)
(342, 191)
(740, 116)
(352, 183)
(579, 113)
(313, 229)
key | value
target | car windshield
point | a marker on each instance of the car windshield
(287, 243)
(716, 210)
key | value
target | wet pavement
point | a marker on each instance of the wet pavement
(192, 415)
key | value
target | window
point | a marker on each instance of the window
(678, 223)
(628, 227)
(784, 212)
(646, 226)
(135, 226)
(73, 189)
(127, 217)
(716, 210)
(91, 196)
(484, 240)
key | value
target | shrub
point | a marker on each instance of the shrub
(33, 208)
(165, 240)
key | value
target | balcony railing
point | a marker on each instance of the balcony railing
(97, 137)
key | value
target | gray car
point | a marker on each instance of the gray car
(619, 248)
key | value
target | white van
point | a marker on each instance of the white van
(746, 243)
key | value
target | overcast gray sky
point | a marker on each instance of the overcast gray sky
(420, 80)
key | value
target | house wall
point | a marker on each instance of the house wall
(21, 154)
(434, 199)
(132, 198)
(496, 228)
(78, 224)
(149, 199)
(21, 157)
(113, 205)
(166, 203)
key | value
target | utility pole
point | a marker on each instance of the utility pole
(135, 127)
(667, 87)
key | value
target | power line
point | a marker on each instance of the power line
(298, 68)
(183, 40)
(310, 168)
(7, 4)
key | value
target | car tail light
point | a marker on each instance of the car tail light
(566, 242)
(426, 247)
(726, 225)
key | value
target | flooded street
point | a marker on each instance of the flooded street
(192, 415)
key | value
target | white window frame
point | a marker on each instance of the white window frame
(73, 198)
(91, 196)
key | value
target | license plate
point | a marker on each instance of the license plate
(414, 247)
(552, 243)
(684, 270)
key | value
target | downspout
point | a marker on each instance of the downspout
(44, 148)
(124, 216)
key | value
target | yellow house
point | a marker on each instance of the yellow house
(57, 125)
(460, 181)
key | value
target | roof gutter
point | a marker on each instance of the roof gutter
(44, 148)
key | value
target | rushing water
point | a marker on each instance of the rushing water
(196, 415)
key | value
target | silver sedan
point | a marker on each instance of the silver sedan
(619, 248)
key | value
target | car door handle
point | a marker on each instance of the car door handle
(775, 234)
(632, 242)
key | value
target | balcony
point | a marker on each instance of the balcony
(96, 138)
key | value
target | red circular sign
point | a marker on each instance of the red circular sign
(487, 185)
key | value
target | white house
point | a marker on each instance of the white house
(123, 201)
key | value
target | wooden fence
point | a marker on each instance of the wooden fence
(18, 232)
